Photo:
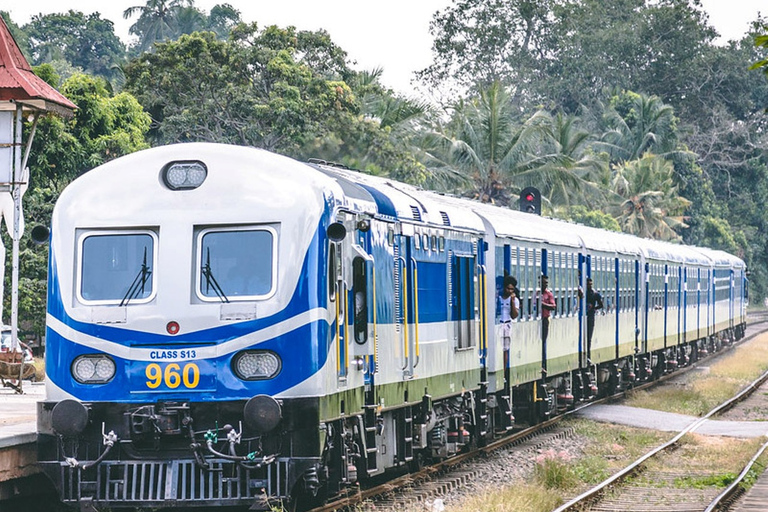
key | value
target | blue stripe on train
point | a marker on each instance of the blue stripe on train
(210, 380)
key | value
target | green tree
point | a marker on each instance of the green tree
(479, 42)
(157, 21)
(19, 35)
(252, 90)
(650, 206)
(761, 41)
(222, 19)
(588, 217)
(85, 42)
(379, 136)
(635, 124)
(488, 145)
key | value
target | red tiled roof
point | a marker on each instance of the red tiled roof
(18, 82)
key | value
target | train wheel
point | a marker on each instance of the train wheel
(301, 500)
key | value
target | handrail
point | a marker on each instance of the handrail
(346, 332)
(375, 330)
(483, 310)
(338, 333)
(416, 310)
(404, 306)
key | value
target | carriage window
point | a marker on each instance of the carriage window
(116, 268)
(237, 263)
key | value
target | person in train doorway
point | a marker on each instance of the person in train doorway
(594, 302)
(509, 309)
(547, 307)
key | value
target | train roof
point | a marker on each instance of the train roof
(396, 200)
(721, 258)
(404, 202)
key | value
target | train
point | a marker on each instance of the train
(231, 327)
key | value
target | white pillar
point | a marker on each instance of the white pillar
(16, 191)
(7, 141)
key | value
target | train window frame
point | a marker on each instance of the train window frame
(202, 231)
(334, 270)
(84, 235)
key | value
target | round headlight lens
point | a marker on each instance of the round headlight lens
(93, 369)
(256, 365)
(184, 175)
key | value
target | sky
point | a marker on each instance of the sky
(392, 34)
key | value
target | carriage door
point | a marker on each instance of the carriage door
(405, 300)
(463, 270)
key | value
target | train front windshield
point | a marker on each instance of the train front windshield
(236, 264)
(116, 267)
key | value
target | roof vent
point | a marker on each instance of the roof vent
(416, 212)
(446, 219)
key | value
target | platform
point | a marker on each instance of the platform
(18, 430)
(671, 422)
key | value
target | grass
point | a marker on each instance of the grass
(559, 475)
(606, 448)
(521, 497)
(39, 364)
(705, 390)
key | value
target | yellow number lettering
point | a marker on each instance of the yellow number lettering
(172, 377)
(191, 375)
(154, 374)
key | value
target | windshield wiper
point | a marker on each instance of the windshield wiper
(210, 281)
(139, 282)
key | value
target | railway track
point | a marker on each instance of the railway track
(414, 490)
(615, 494)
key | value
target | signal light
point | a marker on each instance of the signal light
(530, 200)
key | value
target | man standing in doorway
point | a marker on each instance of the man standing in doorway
(547, 307)
(508, 307)
(594, 302)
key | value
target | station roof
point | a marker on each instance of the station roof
(18, 84)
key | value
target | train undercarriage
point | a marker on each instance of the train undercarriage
(180, 454)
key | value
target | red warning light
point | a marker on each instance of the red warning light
(172, 327)
(529, 197)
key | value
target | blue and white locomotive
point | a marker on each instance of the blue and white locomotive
(227, 326)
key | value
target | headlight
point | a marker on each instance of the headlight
(93, 369)
(256, 365)
(184, 175)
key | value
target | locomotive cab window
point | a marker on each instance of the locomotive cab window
(116, 267)
(235, 264)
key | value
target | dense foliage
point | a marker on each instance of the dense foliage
(626, 114)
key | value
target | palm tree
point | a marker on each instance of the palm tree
(568, 171)
(636, 124)
(497, 155)
(156, 22)
(650, 205)
(188, 20)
